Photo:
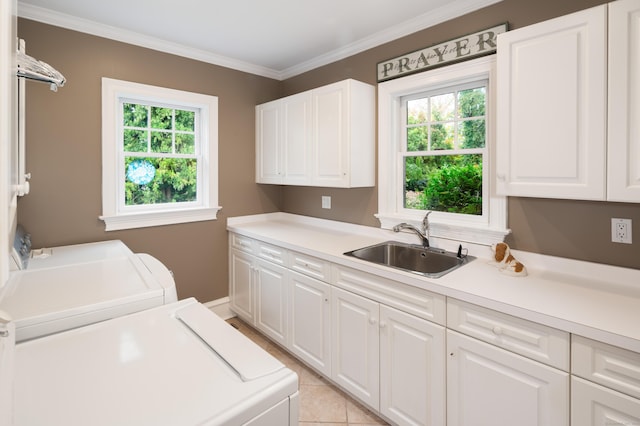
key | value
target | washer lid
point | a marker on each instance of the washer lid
(147, 368)
(35, 296)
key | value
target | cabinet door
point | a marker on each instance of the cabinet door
(310, 325)
(623, 158)
(330, 137)
(268, 143)
(296, 139)
(594, 405)
(551, 106)
(241, 284)
(271, 300)
(355, 341)
(412, 369)
(489, 386)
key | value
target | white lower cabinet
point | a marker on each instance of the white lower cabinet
(595, 405)
(418, 358)
(356, 342)
(392, 361)
(258, 291)
(489, 386)
(412, 369)
(605, 386)
(271, 286)
(310, 325)
(241, 297)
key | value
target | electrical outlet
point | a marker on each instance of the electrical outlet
(621, 230)
(326, 202)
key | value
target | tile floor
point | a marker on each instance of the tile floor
(321, 404)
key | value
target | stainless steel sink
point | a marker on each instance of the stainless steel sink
(430, 262)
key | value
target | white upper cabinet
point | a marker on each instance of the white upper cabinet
(568, 106)
(322, 137)
(344, 135)
(283, 140)
(268, 152)
(624, 102)
(552, 108)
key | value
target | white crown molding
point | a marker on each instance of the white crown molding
(50, 17)
(418, 23)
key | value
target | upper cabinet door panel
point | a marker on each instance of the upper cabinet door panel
(268, 151)
(552, 108)
(624, 101)
(296, 134)
(330, 137)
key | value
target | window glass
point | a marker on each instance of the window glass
(171, 175)
(444, 149)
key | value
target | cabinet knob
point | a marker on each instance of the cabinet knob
(501, 177)
(372, 321)
(383, 324)
(497, 330)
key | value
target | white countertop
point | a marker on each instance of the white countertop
(601, 302)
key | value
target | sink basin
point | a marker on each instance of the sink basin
(430, 262)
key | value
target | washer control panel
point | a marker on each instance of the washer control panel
(22, 247)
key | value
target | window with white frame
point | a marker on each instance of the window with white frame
(159, 155)
(436, 135)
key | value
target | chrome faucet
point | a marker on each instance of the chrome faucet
(423, 234)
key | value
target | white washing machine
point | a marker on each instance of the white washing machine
(177, 364)
(66, 287)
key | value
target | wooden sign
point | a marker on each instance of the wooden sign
(459, 49)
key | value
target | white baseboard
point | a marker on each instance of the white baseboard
(221, 308)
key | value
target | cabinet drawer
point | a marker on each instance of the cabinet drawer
(607, 365)
(242, 243)
(274, 254)
(421, 303)
(541, 343)
(311, 266)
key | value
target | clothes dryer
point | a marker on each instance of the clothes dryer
(66, 287)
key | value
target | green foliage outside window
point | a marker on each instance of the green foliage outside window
(455, 187)
(449, 183)
(174, 182)
(169, 135)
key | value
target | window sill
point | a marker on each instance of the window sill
(147, 219)
(476, 233)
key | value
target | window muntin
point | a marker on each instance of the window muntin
(442, 149)
(159, 155)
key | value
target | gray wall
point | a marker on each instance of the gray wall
(64, 152)
(573, 229)
(63, 139)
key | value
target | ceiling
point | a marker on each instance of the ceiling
(273, 38)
